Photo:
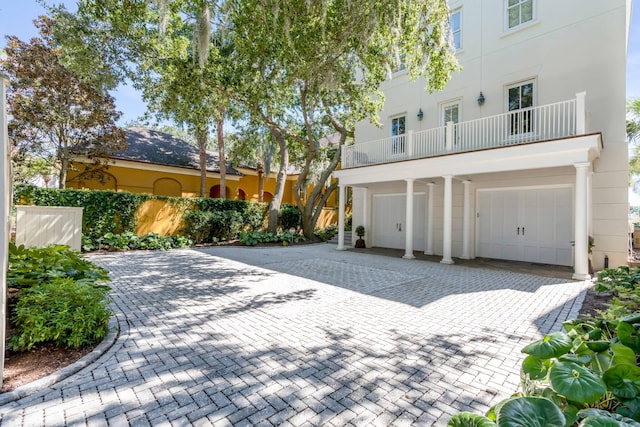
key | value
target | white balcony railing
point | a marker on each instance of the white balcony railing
(546, 122)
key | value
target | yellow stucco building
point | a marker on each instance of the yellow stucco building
(161, 164)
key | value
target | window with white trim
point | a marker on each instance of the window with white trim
(451, 112)
(398, 130)
(520, 103)
(455, 21)
(519, 12)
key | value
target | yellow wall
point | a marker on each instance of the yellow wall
(161, 217)
(145, 181)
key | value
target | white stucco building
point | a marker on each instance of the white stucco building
(522, 154)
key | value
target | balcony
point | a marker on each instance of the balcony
(524, 126)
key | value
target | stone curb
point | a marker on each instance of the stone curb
(49, 380)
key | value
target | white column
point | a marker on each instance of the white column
(447, 220)
(466, 220)
(581, 239)
(581, 113)
(408, 237)
(429, 228)
(341, 219)
(365, 210)
(5, 205)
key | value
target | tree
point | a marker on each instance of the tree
(310, 69)
(179, 66)
(55, 112)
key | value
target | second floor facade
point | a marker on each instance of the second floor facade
(526, 65)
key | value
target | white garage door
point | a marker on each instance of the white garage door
(389, 220)
(533, 225)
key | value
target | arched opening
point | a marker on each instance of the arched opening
(267, 197)
(241, 194)
(214, 192)
(167, 187)
(94, 180)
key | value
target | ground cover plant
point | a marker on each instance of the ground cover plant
(129, 241)
(57, 297)
(586, 375)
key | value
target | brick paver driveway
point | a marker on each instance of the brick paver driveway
(303, 335)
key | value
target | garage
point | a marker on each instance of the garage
(389, 220)
(526, 224)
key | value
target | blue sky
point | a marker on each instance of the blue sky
(16, 18)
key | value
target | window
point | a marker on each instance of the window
(519, 12)
(455, 21)
(451, 113)
(398, 129)
(520, 100)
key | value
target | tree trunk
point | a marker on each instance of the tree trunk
(201, 137)
(260, 170)
(274, 207)
(64, 167)
(221, 157)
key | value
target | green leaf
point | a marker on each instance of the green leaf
(600, 418)
(632, 318)
(601, 361)
(576, 383)
(535, 367)
(623, 380)
(530, 412)
(628, 336)
(570, 412)
(598, 346)
(623, 354)
(600, 422)
(553, 345)
(467, 419)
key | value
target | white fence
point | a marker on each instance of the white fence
(546, 122)
(40, 226)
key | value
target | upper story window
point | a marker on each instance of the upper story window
(455, 21)
(398, 130)
(520, 100)
(519, 12)
(451, 112)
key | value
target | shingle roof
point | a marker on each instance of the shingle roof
(149, 146)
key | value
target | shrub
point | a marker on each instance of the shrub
(252, 238)
(197, 225)
(289, 217)
(33, 266)
(62, 311)
(254, 215)
(327, 232)
(225, 225)
(130, 241)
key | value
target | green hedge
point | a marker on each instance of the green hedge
(107, 211)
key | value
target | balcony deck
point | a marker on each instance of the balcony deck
(524, 126)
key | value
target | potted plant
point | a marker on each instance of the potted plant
(360, 232)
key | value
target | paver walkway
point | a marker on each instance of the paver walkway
(303, 335)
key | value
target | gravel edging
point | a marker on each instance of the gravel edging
(67, 371)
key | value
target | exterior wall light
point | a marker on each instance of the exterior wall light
(420, 114)
(481, 99)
